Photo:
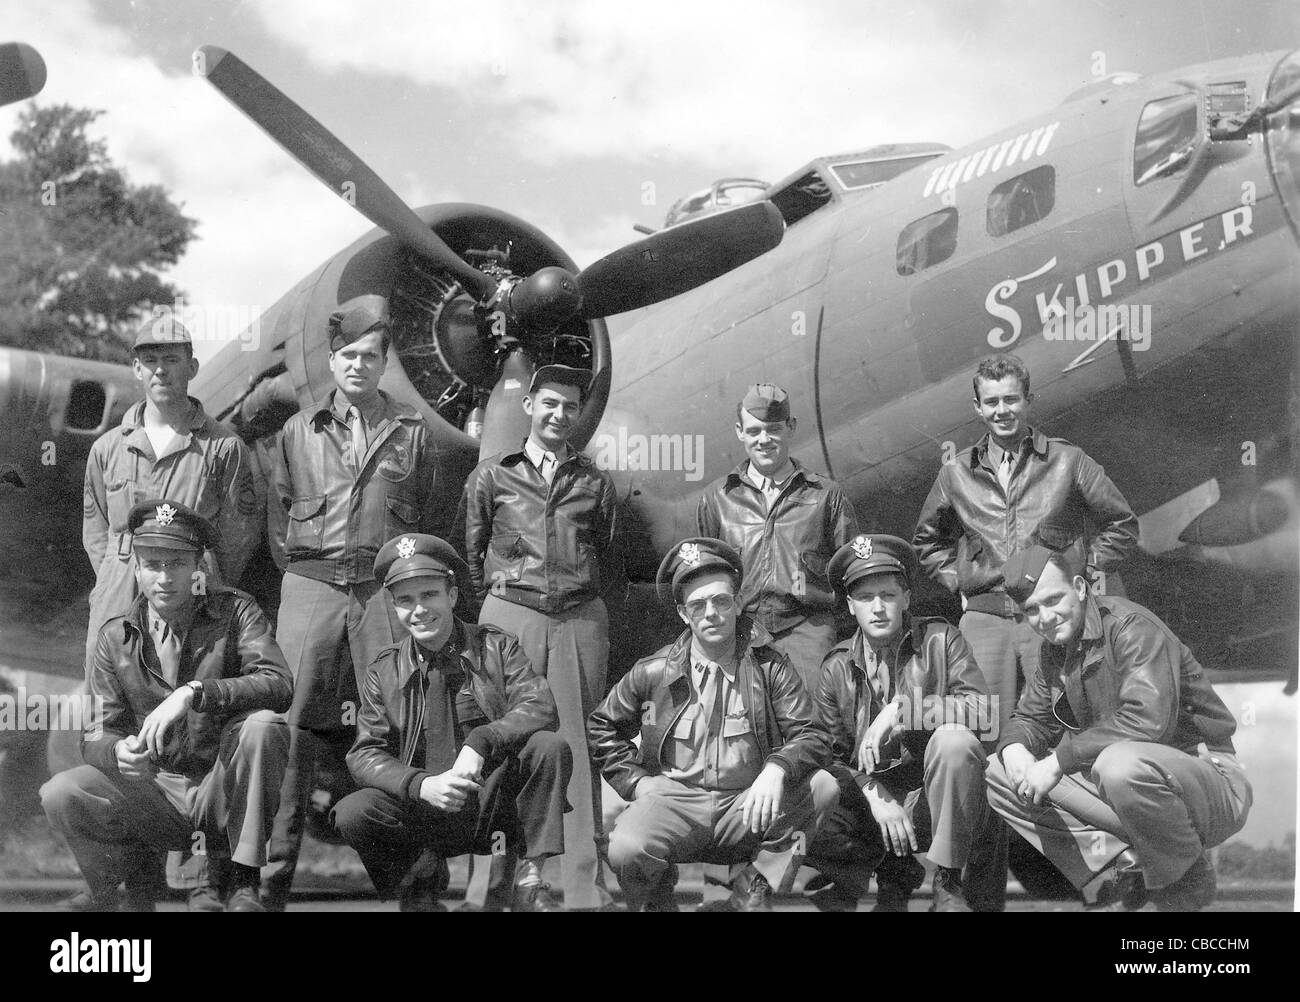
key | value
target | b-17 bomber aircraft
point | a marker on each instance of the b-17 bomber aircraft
(1138, 245)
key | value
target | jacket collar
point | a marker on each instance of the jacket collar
(521, 455)
(134, 417)
(462, 645)
(737, 475)
(323, 409)
(749, 635)
(1038, 442)
(858, 656)
(137, 618)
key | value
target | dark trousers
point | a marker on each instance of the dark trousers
(1007, 651)
(520, 810)
(114, 824)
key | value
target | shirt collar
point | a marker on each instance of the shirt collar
(760, 481)
(536, 453)
(698, 661)
(372, 412)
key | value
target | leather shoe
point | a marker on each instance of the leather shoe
(244, 899)
(828, 895)
(1124, 890)
(750, 892)
(532, 894)
(946, 892)
(1191, 892)
(205, 898)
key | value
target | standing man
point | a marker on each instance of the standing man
(1118, 764)
(352, 471)
(729, 742)
(539, 525)
(990, 501)
(456, 750)
(187, 746)
(166, 446)
(786, 522)
(903, 700)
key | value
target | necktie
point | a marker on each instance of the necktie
(168, 648)
(548, 466)
(711, 698)
(1004, 470)
(440, 746)
(358, 426)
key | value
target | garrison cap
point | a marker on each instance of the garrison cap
(767, 402)
(168, 525)
(691, 557)
(871, 553)
(1023, 569)
(356, 318)
(564, 375)
(163, 328)
(417, 554)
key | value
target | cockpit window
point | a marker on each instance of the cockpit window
(807, 194)
(1021, 200)
(927, 241)
(1166, 136)
(865, 173)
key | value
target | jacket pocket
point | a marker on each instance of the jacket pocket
(120, 500)
(505, 559)
(401, 517)
(306, 525)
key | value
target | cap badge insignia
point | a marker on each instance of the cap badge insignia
(689, 554)
(406, 547)
(165, 513)
(862, 547)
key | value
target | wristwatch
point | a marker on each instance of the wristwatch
(197, 686)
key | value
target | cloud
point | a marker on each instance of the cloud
(723, 82)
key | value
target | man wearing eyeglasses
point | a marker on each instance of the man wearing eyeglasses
(1118, 764)
(728, 743)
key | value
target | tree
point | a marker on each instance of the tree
(81, 248)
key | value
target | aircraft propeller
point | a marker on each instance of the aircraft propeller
(665, 264)
(22, 72)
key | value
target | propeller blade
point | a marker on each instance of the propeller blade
(505, 424)
(321, 152)
(679, 258)
(22, 72)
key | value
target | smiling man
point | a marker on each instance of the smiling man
(351, 471)
(989, 501)
(902, 700)
(165, 446)
(785, 521)
(729, 741)
(456, 750)
(1118, 764)
(539, 526)
(188, 747)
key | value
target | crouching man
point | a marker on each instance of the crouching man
(902, 699)
(1118, 764)
(187, 747)
(455, 750)
(728, 742)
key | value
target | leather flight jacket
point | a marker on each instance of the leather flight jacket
(228, 647)
(785, 550)
(931, 670)
(534, 544)
(968, 527)
(326, 521)
(515, 701)
(1125, 678)
(652, 697)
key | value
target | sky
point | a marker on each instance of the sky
(584, 117)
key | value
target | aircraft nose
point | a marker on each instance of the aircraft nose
(1282, 136)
